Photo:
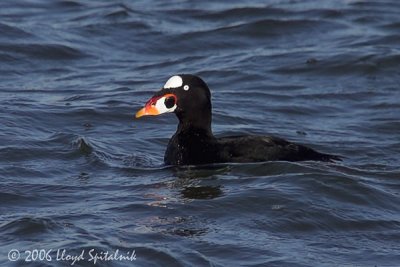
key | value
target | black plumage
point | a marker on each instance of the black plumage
(194, 143)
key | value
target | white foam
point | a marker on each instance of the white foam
(174, 82)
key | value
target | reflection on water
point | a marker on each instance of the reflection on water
(201, 192)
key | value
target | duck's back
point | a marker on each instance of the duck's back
(266, 148)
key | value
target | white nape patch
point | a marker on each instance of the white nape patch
(174, 82)
(186, 87)
(160, 105)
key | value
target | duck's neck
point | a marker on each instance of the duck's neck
(198, 123)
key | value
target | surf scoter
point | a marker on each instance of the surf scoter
(188, 96)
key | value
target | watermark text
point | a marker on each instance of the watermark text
(72, 257)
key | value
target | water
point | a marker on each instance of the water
(78, 172)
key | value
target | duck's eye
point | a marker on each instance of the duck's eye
(169, 102)
(186, 87)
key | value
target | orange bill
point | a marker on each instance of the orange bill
(146, 111)
(150, 108)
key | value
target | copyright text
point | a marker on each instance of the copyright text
(90, 255)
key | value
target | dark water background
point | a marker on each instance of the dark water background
(78, 172)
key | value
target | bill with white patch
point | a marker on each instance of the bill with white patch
(162, 108)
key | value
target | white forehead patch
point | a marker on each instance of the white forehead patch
(174, 82)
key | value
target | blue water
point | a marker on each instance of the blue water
(79, 173)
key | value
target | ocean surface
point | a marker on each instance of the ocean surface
(79, 176)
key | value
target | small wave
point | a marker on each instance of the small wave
(28, 226)
(70, 144)
(242, 12)
(101, 27)
(325, 221)
(44, 51)
(153, 256)
(83, 146)
(272, 27)
(118, 14)
(393, 26)
(374, 5)
(107, 18)
(377, 41)
(101, 155)
(60, 144)
(7, 58)
(345, 63)
(12, 32)
(69, 4)
(10, 198)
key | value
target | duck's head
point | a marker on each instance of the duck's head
(188, 96)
